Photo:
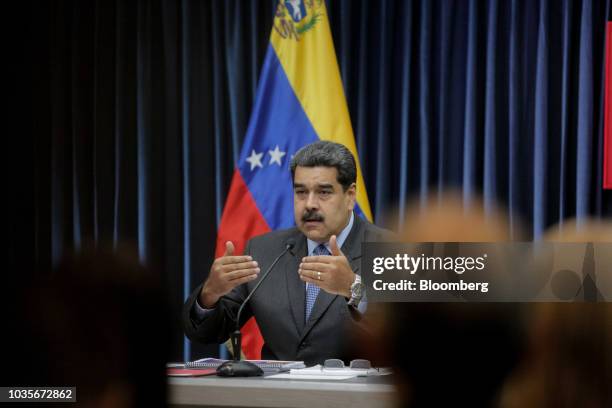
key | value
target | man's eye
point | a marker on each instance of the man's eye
(325, 192)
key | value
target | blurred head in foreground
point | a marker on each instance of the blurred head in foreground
(100, 323)
(569, 362)
(449, 218)
(572, 230)
(450, 354)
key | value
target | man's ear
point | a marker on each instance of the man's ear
(352, 195)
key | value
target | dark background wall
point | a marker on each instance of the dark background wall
(125, 119)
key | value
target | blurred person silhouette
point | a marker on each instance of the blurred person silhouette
(83, 325)
(449, 354)
(569, 358)
(573, 230)
(448, 217)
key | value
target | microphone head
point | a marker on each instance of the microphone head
(290, 244)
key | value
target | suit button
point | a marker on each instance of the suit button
(303, 346)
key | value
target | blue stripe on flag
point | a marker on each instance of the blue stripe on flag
(277, 120)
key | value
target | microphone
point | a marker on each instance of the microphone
(235, 367)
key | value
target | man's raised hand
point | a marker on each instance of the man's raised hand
(331, 273)
(227, 272)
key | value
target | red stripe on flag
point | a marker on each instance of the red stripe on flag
(242, 220)
(607, 159)
(252, 340)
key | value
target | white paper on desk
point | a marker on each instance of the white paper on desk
(286, 376)
(334, 372)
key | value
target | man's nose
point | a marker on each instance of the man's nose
(312, 202)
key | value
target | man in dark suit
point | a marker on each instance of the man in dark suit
(311, 300)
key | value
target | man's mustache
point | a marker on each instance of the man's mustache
(310, 215)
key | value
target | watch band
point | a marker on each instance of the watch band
(356, 291)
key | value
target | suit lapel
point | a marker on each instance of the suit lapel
(352, 245)
(295, 287)
(352, 250)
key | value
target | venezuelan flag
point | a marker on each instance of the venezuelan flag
(299, 100)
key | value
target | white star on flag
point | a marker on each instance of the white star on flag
(277, 155)
(255, 159)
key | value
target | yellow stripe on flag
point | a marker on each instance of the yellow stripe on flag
(306, 52)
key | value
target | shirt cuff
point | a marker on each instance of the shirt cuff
(363, 305)
(200, 312)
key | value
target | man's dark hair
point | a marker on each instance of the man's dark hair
(327, 154)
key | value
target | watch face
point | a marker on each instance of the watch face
(357, 289)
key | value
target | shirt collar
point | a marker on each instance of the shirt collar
(340, 238)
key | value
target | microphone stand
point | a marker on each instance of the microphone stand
(237, 367)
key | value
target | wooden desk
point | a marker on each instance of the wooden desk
(260, 392)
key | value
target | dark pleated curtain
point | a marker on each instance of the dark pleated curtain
(497, 98)
(139, 111)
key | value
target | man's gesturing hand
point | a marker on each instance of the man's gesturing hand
(332, 273)
(227, 272)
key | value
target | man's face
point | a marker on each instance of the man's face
(321, 207)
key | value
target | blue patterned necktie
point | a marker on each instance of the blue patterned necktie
(312, 291)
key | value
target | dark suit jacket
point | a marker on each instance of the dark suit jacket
(278, 305)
